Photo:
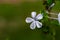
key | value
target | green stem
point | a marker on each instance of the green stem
(52, 29)
(54, 34)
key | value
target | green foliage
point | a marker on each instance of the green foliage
(49, 2)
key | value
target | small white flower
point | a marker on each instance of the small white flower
(34, 20)
(59, 18)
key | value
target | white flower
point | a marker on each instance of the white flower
(34, 20)
(59, 18)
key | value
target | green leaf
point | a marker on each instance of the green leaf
(49, 2)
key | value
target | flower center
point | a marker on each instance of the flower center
(35, 19)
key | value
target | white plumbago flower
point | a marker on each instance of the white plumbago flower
(59, 18)
(34, 20)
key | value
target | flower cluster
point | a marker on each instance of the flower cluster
(35, 20)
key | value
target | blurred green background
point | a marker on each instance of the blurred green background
(13, 25)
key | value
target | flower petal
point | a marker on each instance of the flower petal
(39, 17)
(29, 20)
(59, 18)
(33, 14)
(33, 25)
(39, 24)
